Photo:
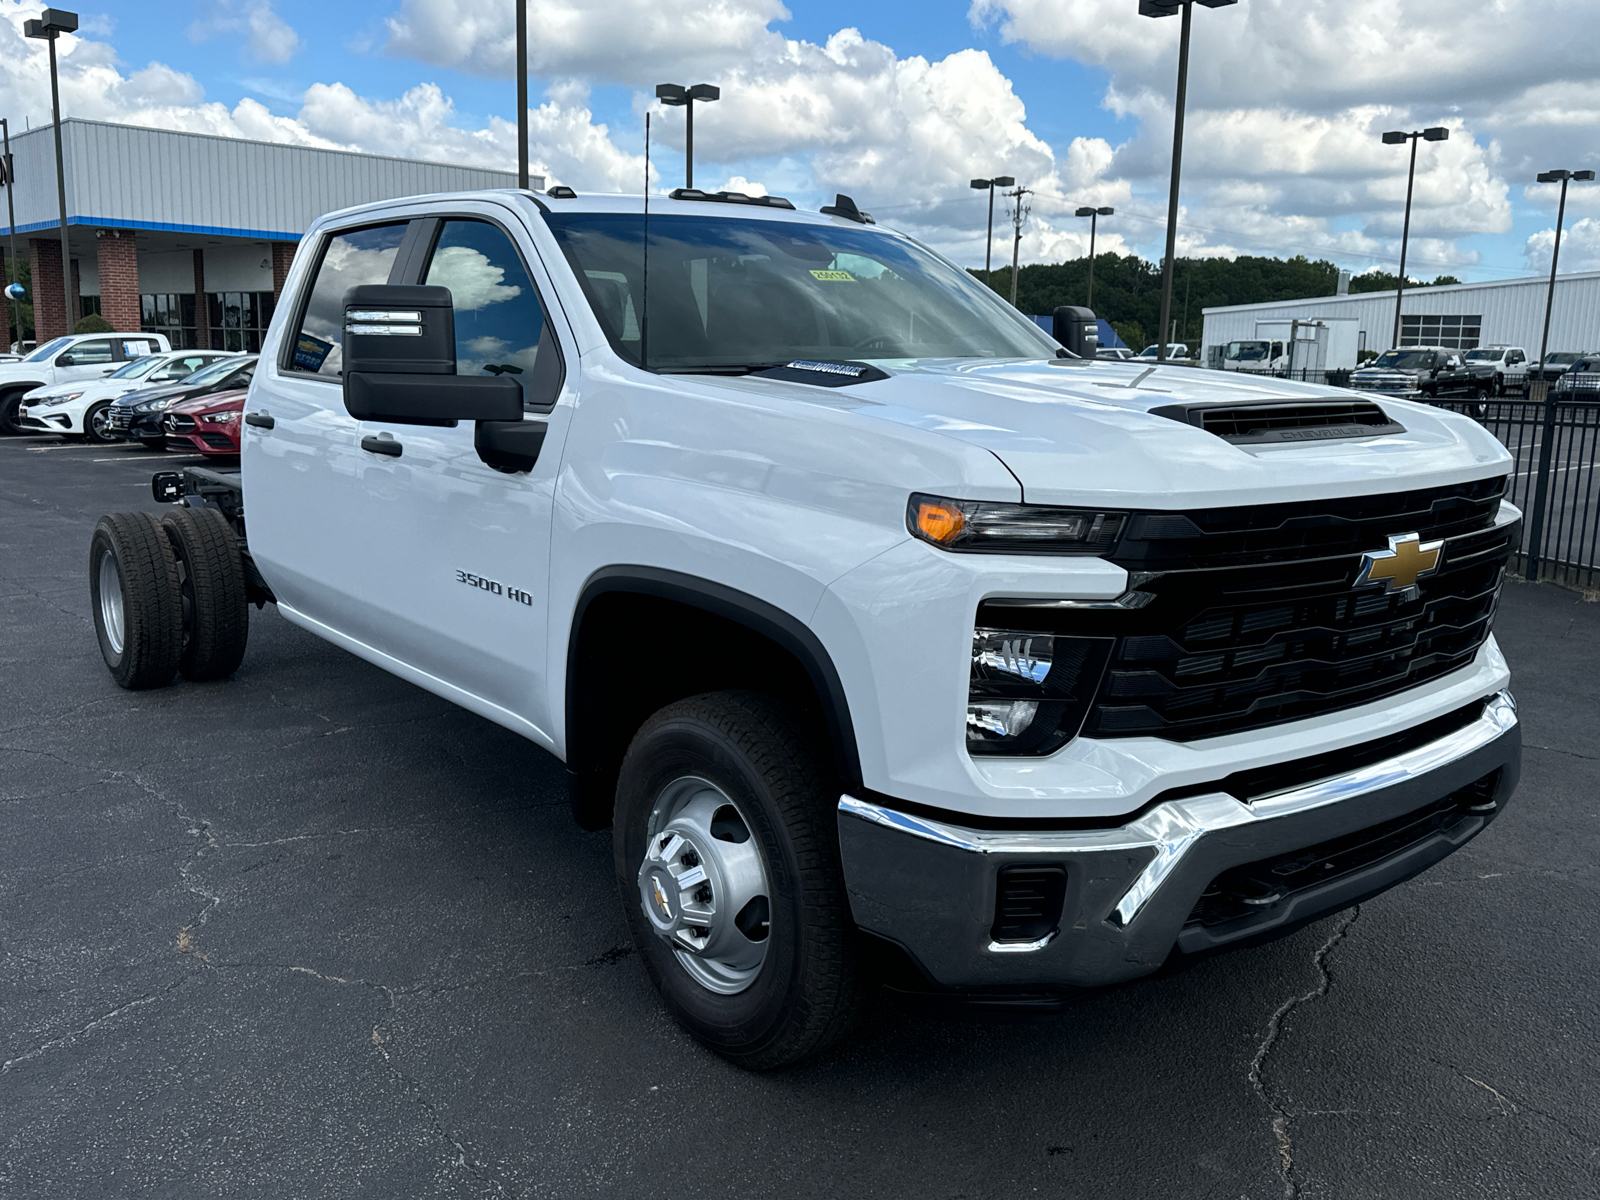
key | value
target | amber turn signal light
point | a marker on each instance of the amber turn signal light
(940, 522)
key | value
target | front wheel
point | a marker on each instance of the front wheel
(8, 413)
(727, 858)
(157, 443)
(97, 424)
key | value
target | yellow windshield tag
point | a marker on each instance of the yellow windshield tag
(834, 276)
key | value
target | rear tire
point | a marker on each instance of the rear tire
(216, 613)
(740, 757)
(133, 592)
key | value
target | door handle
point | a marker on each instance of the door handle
(382, 444)
(260, 420)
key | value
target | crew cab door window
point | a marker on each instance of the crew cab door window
(500, 325)
(91, 354)
(351, 258)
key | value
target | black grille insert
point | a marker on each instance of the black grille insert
(1242, 893)
(1028, 902)
(1286, 421)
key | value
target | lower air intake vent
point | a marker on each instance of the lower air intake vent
(1282, 421)
(1028, 903)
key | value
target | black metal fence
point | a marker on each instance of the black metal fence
(1555, 447)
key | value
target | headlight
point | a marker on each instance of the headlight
(1029, 692)
(52, 401)
(221, 418)
(153, 406)
(982, 527)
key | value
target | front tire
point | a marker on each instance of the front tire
(159, 443)
(9, 404)
(727, 859)
(97, 424)
(133, 592)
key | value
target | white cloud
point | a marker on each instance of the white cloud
(1580, 247)
(270, 37)
(473, 280)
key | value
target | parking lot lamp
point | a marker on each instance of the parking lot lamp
(8, 179)
(1548, 436)
(675, 95)
(1166, 8)
(1395, 138)
(48, 26)
(1094, 215)
(1003, 181)
(522, 94)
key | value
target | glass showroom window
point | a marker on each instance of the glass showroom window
(1452, 333)
(239, 319)
(171, 313)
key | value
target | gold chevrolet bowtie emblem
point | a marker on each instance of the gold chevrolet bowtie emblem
(662, 902)
(1398, 568)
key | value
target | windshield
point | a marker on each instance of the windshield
(46, 350)
(138, 368)
(738, 293)
(217, 370)
(1247, 351)
(1405, 360)
(1563, 357)
(1485, 355)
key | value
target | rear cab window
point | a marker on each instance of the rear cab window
(350, 258)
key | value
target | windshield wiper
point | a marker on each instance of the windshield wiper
(717, 368)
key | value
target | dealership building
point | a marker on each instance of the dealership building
(1458, 317)
(187, 234)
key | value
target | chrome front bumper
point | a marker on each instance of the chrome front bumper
(930, 885)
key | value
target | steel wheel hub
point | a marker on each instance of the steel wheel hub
(703, 885)
(111, 600)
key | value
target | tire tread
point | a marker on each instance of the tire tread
(220, 624)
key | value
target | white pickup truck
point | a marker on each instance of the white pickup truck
(896, 641)
(77, 358)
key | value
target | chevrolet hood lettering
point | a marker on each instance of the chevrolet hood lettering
(1398, 568)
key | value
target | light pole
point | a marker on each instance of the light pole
(675, 95)
(1395, 138)
(51, 24)
(1548, 436)
(1094, 215)
(8, 177)
(1019, 214)
(522, 94)
(1001, 181)
(1165, 8)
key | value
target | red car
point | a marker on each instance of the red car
(209, 423)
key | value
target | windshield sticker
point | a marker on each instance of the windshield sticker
(833, 276)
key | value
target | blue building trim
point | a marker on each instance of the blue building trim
(263, 235)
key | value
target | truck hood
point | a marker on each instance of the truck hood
(1082, 432)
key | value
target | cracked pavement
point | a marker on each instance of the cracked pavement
(312, 932)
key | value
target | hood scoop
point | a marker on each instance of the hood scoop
(1285, 420)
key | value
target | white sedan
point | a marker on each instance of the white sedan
(78, 409)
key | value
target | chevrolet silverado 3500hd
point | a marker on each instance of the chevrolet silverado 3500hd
(889, 635)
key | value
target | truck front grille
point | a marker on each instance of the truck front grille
(1219, 649)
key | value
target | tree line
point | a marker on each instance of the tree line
(1127, 289)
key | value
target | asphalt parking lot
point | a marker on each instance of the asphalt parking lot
(314, 933)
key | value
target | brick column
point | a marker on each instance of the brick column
(49, 311)
(282, 256)
(202, 310)
(119, 279)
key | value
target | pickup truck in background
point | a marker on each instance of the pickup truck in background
(898, 642)
(1510, 365)
(72, 359)
(1425, 373)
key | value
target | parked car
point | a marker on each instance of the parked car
(1555, 365)
(925, 650)
(1176, 352)
(1117, 353)
(1425, 373)
(73, 359)
(81, 409)
(208, 423)
(1580, 381)
(1510, 365)
(141, 416)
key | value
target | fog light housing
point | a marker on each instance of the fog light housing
(1029, 692)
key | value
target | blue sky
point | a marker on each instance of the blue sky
(1070, 96)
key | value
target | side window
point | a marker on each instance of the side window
(354, 257)
(242, 378)
(88, 354)
(499, 320)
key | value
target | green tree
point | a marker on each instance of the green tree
(93, 323)
(23, 270)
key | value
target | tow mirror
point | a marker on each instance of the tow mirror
(400, 368)
(400, 362)
(1077, 330)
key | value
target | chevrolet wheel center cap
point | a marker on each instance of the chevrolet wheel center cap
(659, 897)
(1398, 568)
